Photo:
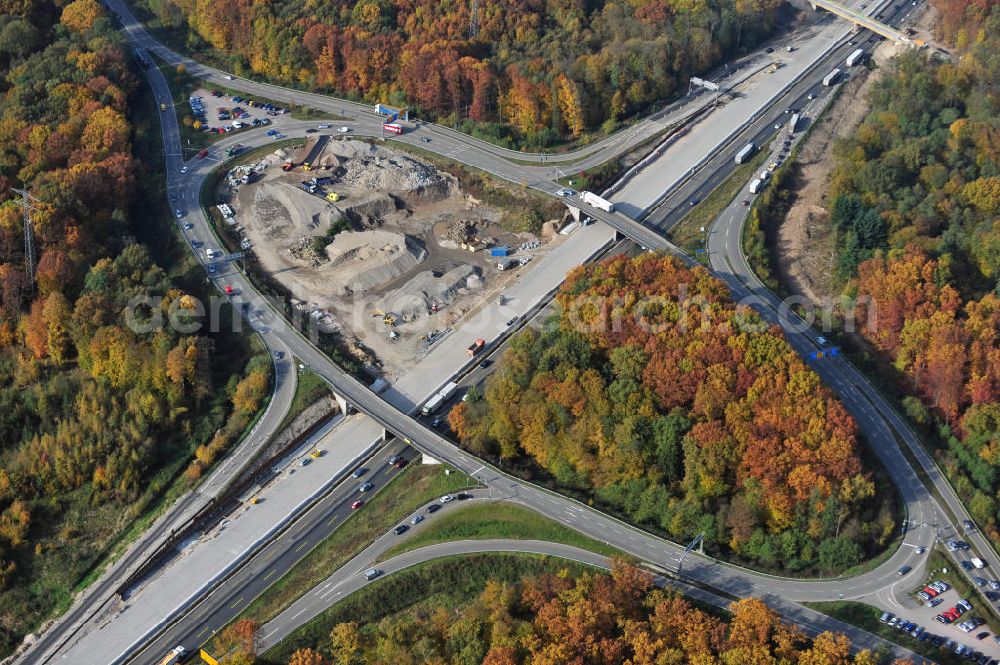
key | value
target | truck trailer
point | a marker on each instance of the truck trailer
(755, 185)
(793, 124)
(594, 200)
(448, 390)
(831, 78)
(431, 405)
(744, 154)
(392, 128)
(854, 58)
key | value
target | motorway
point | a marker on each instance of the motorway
(731, 579)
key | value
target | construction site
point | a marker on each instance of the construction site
(374, 244)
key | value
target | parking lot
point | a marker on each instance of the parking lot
(218, 112)
(978, 644)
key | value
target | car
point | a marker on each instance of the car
(904, 570)
(746, 203)
(356, 505)
(564, 192)
(416, 519)
(272, 113)
(401, 462)
(184, 169)
(886, 616)
(358, 472)
(436, 423)
(229, 290)
(979, 581)
(777, 125)
(960, 649)
(188, 226)
(278, 355)
(462, 496)
(365, 487)
(695, 201)
(966, 565)
(923, 595)
(400, 530)
(317, 453)
(930, 591)
(323, 127)
(964, 604)
(920, 550)
(393, 459)
(311, 131)
(769, 50)
(968, 525)
(433, 508)
(789, 48)
(446, 498)
(934, 602)
(372, 573)
(227, 77)
(951, 546)
(485, 364)
(511, 322)
(811, 96)
(425, 139)
(212, 268)
(343, 130)
(305, 461)
(983, 635)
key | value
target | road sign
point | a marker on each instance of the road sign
(708, 85)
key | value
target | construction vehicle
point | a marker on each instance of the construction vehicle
(388, 318)
(173, 657)
(333, 197)
(476, 347)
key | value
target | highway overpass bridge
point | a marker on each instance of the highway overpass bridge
(862, 20)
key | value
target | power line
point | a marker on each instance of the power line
(29, 236)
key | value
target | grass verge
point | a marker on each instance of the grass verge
(309, 388)
(416, 485)
(448, 582)
(483, 520)
(686, 233)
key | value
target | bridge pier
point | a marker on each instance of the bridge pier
(345, 408)
(574, 211)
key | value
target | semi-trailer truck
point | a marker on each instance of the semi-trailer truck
(448, 390)
(744, 154)
(755, 185)
(601, 204)
(854, 58)
(831, 78)
(793, 123)
(431, 405)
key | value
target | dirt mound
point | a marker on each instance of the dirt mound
(430, 287)
(364, 167)
(364, 260)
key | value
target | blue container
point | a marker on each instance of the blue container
(498, 251)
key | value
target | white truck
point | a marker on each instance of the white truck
(431, 405)
(831, 78)
(854, 58)
(755, 185)
(448, 390)
(745, 153)
(793, 123)
(594, 200)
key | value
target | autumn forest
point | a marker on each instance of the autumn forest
(524, 72)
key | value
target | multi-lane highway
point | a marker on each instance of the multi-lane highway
(184, 184)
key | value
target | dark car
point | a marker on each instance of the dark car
(486, 363)
(966, 565)
(769, 50)
(401, 462)
(401, 529)
(311, 130)
(462, 496)
(904, 570)
(983, 635)
(360, 471)
(393, 459)
(434, 507)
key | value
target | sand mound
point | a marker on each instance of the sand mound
(364, 260)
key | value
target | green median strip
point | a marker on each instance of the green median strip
(481, 520)
(406, 493)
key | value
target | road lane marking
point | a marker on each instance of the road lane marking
(301, 546)
(233, 606)
(205, 630)
(270, 573)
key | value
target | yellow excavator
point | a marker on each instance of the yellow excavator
(388, 318)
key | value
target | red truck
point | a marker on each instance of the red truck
(477, 346)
